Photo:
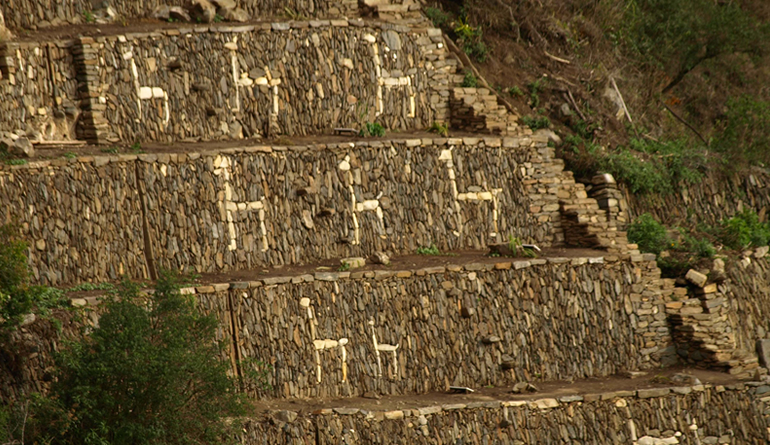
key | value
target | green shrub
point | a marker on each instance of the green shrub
(469, 81)
(432, 250)
(536, 122)
(698, 245)
(515, 91)
(374, 129)
(471, 40)
(148, 373)
(648, 234)
(437, 16)
(17, 296)
(745, 132)
(535, 88)
(440, 129)
(744, 230)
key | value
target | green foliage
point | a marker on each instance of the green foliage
(256, 374)
(92, 286)
(744, 230)
(469, 81)
(517, 249)
(699, 246)
(471, 40)
(745, 132)
(677, 35)
(646, 167)
(440, 129)
(437, 16)
(218, 18)
(648, 234)
(89, 17)
(373, 129)
(136, 148)
(432, 250)
(149, 373)
(114, 150)
(536, 122)
(70, 155)
(515, 91)
(344, 267)
(16, 162)
(535, 88)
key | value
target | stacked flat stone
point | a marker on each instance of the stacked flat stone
(93, 125)
(476, 110)
(703, 332)
(604, 190)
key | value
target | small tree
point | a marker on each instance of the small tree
(149, 373)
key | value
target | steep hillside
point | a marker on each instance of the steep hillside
(681, 83)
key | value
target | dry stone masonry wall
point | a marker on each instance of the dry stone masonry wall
(415, 331)
(95, 218)
(697, 414)
(83, 218)
(25, 14)
(230, 82)
(38, 86)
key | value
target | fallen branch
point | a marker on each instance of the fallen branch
(622, 102)
(558, 59)
(686, 124)
(574, 104)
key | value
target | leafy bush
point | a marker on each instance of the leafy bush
(744, 230)
(535, 88)
(17, 296)
(678, 35)
(440, 129)
(469, 81)
(471, 40)
(745, 132)
(698, 245)
(515, 91)
(437, 16)
(536, 122)
(648, 234)
(148, 373)
(374, 129)
(432, 250)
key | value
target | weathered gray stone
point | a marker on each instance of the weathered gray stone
(202, 11)
(696, 278)
(763, 352)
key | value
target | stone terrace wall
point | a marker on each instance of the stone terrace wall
(472, 325)
(469, 325)
(256, 206)
(224, 82)
(699, 414)
(38, 87)
(749, 299)
(82, 218)
(711, 200)
(42, 13)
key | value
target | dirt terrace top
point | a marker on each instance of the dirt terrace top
(588, 390)
(147, 25)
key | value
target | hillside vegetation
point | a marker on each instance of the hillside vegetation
(654, 91)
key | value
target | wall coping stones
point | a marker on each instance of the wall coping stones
(541, 404)
(180, 155)
(379, 274)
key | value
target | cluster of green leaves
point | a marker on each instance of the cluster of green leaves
(431, 250)
(440, 129)
(678, 35)
(469, 81)
(536, 122)
(372, 129)
(517, 248)
(515, 91)
(645, 166)
(439, 18)
(650, 235)
(148, 373)
(17, 296)
(745, 133)
(744, 230)
(471, 39)
(535, 88)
